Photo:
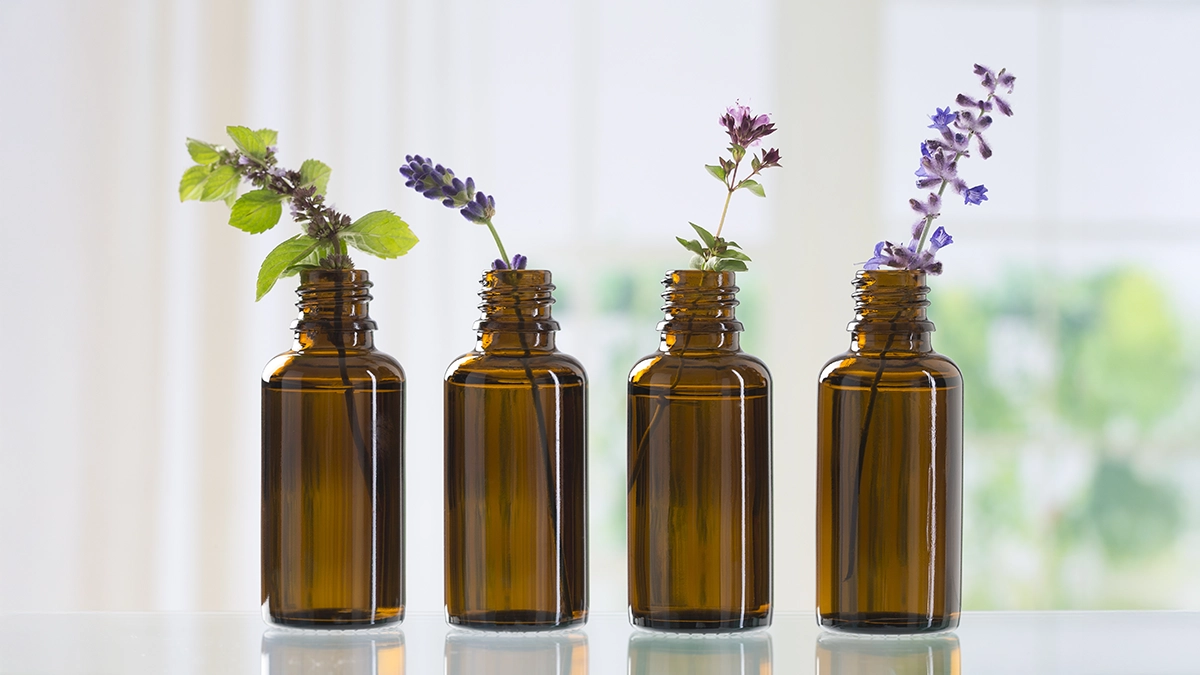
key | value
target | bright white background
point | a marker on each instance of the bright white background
(131, 344)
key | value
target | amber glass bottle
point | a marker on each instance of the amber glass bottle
(699, 462)
(889, 469)
(333, 466)
(516, 467)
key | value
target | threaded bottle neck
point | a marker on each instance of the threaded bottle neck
(334, 310)
(699, 311)
(515, 312)
(889, 310)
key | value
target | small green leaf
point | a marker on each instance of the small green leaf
(716, 171)
(753, 186)
(692, 245)
(737, 151)
(380, 233)
(203, 153)
(297, 269)
(248, 141)
(705, 236)
(256, 211)
(268, 136)
(697, 262)
(221, 183)
(730, 266)
(754, 163)
(730, 254)
(316, 174)
(191, 186)
(732, 244)
(280, 259)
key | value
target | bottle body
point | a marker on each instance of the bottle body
(333, 467)
(889, 470)
(516, 468)
(699, 463)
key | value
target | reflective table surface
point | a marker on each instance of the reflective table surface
(1162, 643)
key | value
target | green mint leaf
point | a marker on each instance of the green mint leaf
(693, 245)
(705, 236)
(203, 153)
(316, 174)
(730, 266)
(280, 259)
(268, 136)
(730, 254)
(221, 183)
(753, 186)
(380, 233)
(256, 211)
(248, 141)
(297, 269)
(716, 171)
(732, 244)
(191, 186)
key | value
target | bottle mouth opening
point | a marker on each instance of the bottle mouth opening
(332, 277)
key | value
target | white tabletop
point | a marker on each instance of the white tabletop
(1159, 643)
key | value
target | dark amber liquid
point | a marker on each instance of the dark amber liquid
(699, 505)
(889, 512)
(516, 495)
(333, 507)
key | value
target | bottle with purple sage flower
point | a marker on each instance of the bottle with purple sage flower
(515, 446)
(699, 445)
(889, 420)
(332, 406)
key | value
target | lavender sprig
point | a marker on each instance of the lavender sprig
(745, 130)
(435, 181)
(939, 167)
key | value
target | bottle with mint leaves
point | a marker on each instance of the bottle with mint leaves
(332, 406)
(699, 444)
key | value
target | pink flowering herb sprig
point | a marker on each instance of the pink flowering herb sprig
(711, 251)
(939, 168)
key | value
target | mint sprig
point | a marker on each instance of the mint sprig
(219, 172)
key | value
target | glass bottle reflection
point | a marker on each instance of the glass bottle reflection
(288, 652)
(471, 653)
(656, 654)
(850, 655)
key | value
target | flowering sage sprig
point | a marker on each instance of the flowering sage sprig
(435, 181)
(939, 168)
(745, 130)
(326, 232)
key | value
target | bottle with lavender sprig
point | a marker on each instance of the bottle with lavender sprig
(332, 406)
(889, 415)
(515, 445)
(699, 444)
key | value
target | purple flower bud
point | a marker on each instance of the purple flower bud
(942, 118)
(499, 264)
(975, 195)
(519, 261)
(985, 150)
(272, 149)
(1007, 79)
(243, 160)
(1003, 106)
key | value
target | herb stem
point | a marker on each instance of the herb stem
(503, 254)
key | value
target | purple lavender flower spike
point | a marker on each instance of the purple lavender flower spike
(975, 195)
(942, 118)
(519, 261)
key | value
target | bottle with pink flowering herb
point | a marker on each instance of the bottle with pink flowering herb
(699, 445)
(889, 416)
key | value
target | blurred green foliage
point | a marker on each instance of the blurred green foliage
(1068, 494)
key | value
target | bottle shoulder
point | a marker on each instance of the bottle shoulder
(705, 369)
(852, 368)
(358, 364)
(480, 366)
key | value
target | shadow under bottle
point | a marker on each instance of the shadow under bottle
(699, 468)
(889, 469)
(516, 467)
(333, 466)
